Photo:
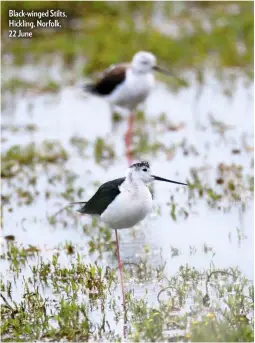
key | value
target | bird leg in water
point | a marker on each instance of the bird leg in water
(128, 141)
(122, 286)
(128, 137)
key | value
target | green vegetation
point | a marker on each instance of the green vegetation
(103, 151)
(62, 315)
(70, 291)
(203, 34)
(17, 157)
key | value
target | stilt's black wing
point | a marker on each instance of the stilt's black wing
(110, 79)
(103, 197)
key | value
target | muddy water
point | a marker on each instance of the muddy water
(208, 235)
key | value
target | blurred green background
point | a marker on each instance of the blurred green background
(182, 35)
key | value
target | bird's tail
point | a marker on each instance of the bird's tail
(82, 209)
(90, 88)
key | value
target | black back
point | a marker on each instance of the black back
(103, 197)
(111, 78)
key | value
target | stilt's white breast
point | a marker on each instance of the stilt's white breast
(128, 208)
(133, 91)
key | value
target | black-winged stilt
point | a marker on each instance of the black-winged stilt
(127, 85)
(122, 203)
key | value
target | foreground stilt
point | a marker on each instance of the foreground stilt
(119, 193)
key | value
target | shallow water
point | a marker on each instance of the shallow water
(222, 237)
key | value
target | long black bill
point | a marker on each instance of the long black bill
(158, 178)
(78, 202)
(162, 70)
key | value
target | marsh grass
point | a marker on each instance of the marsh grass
(15, 158)
(56, 301)
(44, 299)
(216, 34)
(71, 291)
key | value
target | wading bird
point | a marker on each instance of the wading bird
(124, 202)
(127, 85)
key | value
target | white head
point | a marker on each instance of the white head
(141, 171)
(143, 62)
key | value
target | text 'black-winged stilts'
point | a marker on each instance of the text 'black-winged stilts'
(127, 85)
(124, 202)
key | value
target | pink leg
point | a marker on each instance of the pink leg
(128, 137)
(128, 141)
(122, 286)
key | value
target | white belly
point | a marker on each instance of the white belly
(133, 91)
(127, 209)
